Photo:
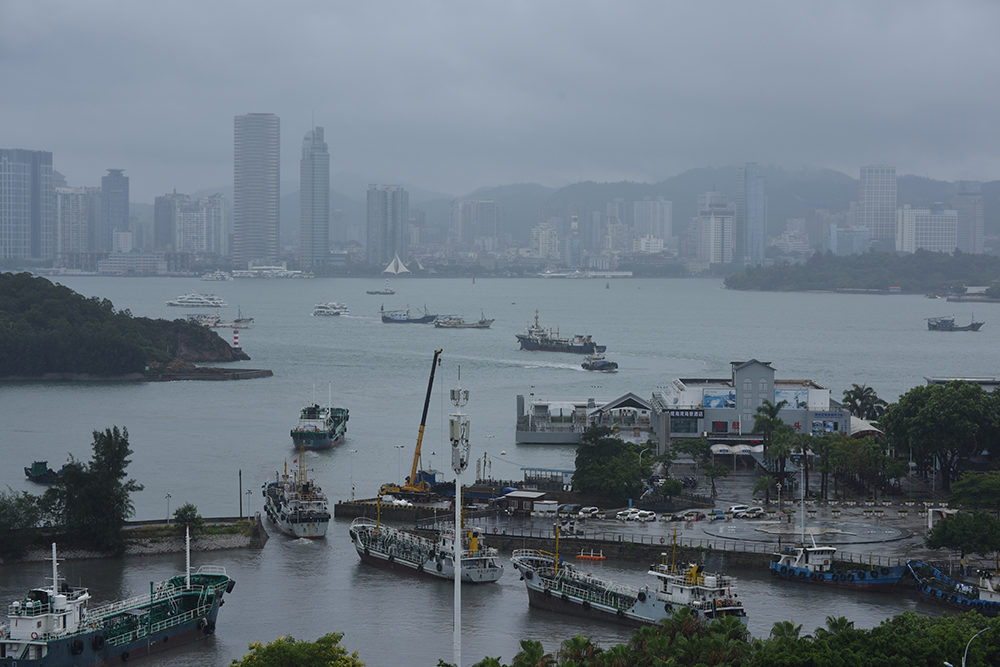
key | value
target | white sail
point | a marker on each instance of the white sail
(396, 266)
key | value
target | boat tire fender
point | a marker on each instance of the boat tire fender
(420, 567)
(802, 574)
(784, 569)
(392, 557)
(621, 614)
(439, 567)
(97, 642)
(642, 596)
(125, 656)
(367, 551)
(210, 628)
(774, 572)
(528, 574)
(874, 574)
(885, 570)
(565, 598)
(850, 577)
(76, 648)
(586, 604)
(201, 624)
(861, 575)
(548, 593)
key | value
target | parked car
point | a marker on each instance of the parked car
(645, 515)
(751, 513)
(736, 509)
(716, 515)
(689, 515)
(589, 513)
(569, 508)
(631, 514)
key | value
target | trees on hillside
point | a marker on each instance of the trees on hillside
(93, 500)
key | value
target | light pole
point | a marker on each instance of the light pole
(168, 508)
(966, 654)
(248, 502)
(779, 498)
(352, 451)
(399, 463)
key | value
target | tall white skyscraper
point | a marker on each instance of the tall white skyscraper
(257, 187)
(751, 214)
(653, 218)
(877, 201)
(314, 197)
(715, 228)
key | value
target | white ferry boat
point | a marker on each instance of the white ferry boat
(330, 309)
(198, 301)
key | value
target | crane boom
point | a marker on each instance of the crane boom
(423, 420)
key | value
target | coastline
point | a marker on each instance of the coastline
(199, 373)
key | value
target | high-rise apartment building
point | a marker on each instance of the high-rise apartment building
(653, 218)
(256, 187)
(934, 229)
(314, 197)
(968, 203)
(27, 205)
(193, 226)
(751, 215)
(388, 217)
(77, 211)
(114, 209)
(877, 201)
(716, 217)
(164, 229)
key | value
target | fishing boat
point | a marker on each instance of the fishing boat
(53, 626)
(404, 317)
(817, 564)
(239, 323)
(402, 551)
(948, 324)
(562, 587)
(597, 362)
(41, 473)
(198, 301)
(936, 586)
(330, 309)
(320, 426)
(538, 338)
(297, 506)
(387, 289)
(458, 322)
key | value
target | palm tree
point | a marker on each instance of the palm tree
(764, 483)
(532, 655)
(781, 449)
(767, 420)
(578, 650)
(835, 625)
(863, 402)
(785, 631)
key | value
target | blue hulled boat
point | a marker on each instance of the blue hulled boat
(938, 587)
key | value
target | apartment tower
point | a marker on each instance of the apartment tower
(314, 193)
(257, 187)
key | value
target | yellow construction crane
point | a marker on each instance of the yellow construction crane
(415, 483)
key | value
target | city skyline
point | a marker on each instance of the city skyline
(547, 93)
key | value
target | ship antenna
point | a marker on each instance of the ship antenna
(458, 433)
(187, 551)
(55, 571)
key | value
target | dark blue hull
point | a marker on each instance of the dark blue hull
(941, 589)
(877, 579)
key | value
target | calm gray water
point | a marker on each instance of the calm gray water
(192, 439)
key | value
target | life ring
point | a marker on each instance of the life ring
(34, 635)
(93, 624)
(662, 540)
(495, 530)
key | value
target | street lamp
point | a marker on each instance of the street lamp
(966, 654)
(352, 451)
(248, 502)
(168, 508)
(399, 463)
(779, 497)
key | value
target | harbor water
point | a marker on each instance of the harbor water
(214, 443)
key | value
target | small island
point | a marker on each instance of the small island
(49, 332)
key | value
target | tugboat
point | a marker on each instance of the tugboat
(295, 505)
(938, 587)
(41, 473)
(597, 362)
(53, 626)
(537, 337)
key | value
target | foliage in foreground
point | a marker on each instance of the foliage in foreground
(288, 652)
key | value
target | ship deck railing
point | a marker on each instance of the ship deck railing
(145, 600)
(594, 591)
(146, 630)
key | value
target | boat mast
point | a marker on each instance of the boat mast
(802, 503)
(55, 571)
(458, 433)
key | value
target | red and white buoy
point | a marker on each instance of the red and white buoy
(236, 338)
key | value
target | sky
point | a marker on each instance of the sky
(451, 96)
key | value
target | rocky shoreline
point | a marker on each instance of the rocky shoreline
(194, 373)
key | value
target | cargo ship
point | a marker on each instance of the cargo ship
(538, 338)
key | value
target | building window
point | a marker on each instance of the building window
(747, 398)
(684, 425)
(748, 384)
(762, 385)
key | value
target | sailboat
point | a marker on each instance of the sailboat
(396, 266)
(816, 564)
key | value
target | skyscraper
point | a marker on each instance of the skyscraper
(751, 214)
(114, 209)
(193, 226)
(877, 201)
(27, 205)
(314, 193)
(388, 215)
(257, 187)
(969, 204)
(653, 217)
(715, 227)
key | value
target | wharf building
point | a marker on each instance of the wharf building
(256, 187)
(722, 410)
(27, 205)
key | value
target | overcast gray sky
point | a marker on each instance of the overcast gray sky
(451, 96)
